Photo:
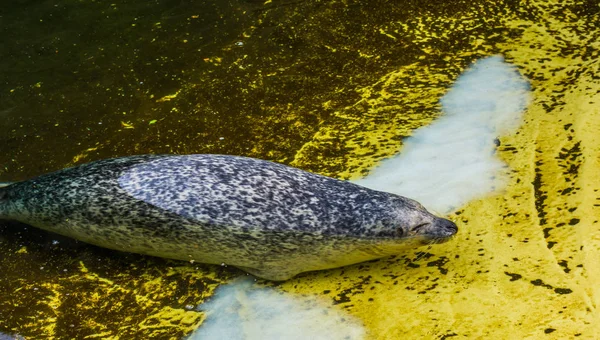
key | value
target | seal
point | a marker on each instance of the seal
(269, 219)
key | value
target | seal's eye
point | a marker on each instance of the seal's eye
(419, 228)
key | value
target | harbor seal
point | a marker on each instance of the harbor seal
(269, 219)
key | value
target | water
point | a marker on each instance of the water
(331, 87)
(443, 165)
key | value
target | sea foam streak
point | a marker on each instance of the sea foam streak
(239, 311)
(450, 162)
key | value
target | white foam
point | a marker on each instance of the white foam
(241, 311)
(450, 162)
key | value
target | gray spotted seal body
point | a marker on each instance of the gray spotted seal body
(269, 219)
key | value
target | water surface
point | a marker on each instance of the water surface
(328, 86)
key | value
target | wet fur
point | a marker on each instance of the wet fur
(269, 219)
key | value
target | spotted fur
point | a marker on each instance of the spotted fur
(272, 220)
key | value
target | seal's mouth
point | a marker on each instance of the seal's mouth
(438, 231)
(446, 227)
(440, 240)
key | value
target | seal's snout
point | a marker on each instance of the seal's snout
(445, 228)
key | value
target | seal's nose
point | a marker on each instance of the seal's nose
(448, 227)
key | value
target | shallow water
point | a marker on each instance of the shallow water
(330, 87)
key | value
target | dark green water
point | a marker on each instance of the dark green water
(73, 71)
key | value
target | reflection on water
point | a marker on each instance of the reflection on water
(450, 162)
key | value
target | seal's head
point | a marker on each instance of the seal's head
(391, 226)
(415, 222)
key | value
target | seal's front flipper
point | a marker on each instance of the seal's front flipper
(269, 274)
